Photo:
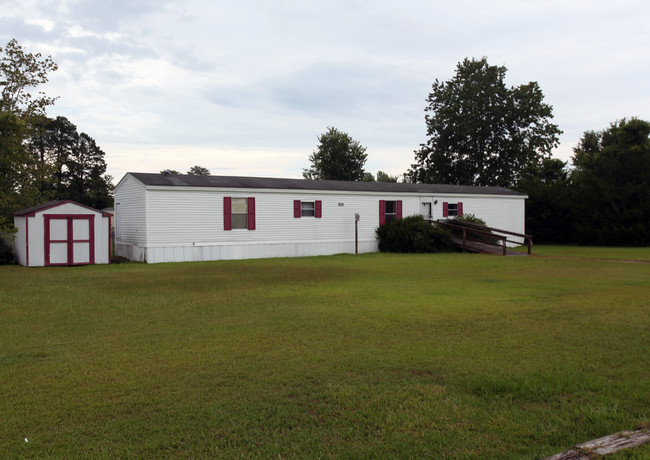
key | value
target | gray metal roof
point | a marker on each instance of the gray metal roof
(187, 180)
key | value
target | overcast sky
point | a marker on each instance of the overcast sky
(246, 87)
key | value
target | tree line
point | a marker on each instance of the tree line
(602, 198)
(479, 132)
(482, 132)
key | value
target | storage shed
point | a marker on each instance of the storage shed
(62, 233)
(175, 217)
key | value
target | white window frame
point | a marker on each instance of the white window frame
(452, 212)
(309, 210)
(390, 216)
(236, 217)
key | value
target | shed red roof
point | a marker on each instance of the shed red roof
(53, 204)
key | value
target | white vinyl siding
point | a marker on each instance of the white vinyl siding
(130, 211)
(196, 216)
(186, 216)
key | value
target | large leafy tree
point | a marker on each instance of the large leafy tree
(20, 109)
(51, 145)
(17, 187)
(75, 161)
(337, 157)
(86, 181)
(20, 74)
(611, 182)
(480, 132)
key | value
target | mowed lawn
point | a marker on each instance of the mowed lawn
(377, 355)
(589, 252)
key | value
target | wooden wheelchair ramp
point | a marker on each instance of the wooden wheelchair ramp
(485, 248)
(486, 240)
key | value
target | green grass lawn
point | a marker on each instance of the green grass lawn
(378, 355)
(589, 252)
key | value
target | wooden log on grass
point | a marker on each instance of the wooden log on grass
(605, 446)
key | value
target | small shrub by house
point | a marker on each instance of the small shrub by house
(414, 234)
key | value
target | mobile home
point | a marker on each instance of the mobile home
(174, 217)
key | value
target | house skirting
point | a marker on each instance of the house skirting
(229, 251)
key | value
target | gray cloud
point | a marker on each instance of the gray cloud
(106, 15)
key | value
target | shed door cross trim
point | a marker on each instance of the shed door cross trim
(69, 239)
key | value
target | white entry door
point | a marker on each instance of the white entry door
(69, 239)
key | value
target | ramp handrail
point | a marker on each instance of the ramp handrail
(489, 234)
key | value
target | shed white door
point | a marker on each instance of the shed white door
(69, 239)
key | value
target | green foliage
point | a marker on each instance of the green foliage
(381, 177)
(18, 187)
(481, 132)
(414, 234)
(19, 72)
(6, 249)
(85, 175)
(549, 207)
(604, 200)
(385, 177)
(51, 143)
(12, 167)
(41, 158)
(611, 185)
(198, 171)
(70, 165)
(469, 218)
(338, 157)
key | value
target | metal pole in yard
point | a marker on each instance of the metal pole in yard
(356, 233)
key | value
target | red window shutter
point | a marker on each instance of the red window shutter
(445, 209)
(296, 209)
(382, 212)
(251, 213)
(399, 209)
(460, 209)
(318, 209)
(227, 213)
